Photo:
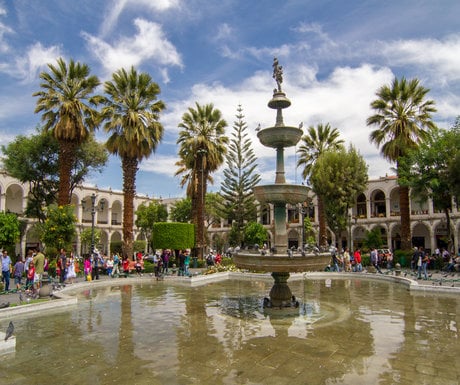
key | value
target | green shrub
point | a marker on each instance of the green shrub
(149, 267)
(173, 235)
(365, 260)
(226, 261)
(403, 257)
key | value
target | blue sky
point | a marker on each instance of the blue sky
(335, 55)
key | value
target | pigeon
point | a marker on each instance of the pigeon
(9, 330)
(21, 299)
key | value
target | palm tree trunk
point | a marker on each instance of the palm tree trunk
(66, 162)
(322, 222)
(200, 212)
(129, 166)
(406, 239)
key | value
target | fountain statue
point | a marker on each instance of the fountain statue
(280, 260)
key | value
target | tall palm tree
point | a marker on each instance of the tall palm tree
(202, 151)
(69, 112)
(316, 141)
(131, 115)
(404, 119)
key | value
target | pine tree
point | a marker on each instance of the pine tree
(239, 179)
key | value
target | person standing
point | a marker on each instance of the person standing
(165, 258)
(31, 277)
(29, 258)
(87, 269)
(6, 270)
(116, 265)
(335, 261)
(422, 263)
(181, 263)
(39, 263)
(346, 260)
(71, 274)
(187, 263)
(357, 259)
(110, 264)
(62, 263)
(375, 260)
(18, 271)
(96, 264)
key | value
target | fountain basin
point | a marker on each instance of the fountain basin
(277, 137)
(281, 263)
(281, 193)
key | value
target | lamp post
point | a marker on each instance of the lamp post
(350, 235)
(93, 214)
(302, 212)
(93, 209)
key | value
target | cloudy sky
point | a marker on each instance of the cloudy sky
(335, 55)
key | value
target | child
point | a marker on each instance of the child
(87, 269)
(30, 277)
(139, 266)
(125, 265)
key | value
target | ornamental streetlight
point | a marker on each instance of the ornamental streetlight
(94, 208)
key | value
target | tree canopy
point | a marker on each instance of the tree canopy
(240, 177)
(34, 160)
(339, 176)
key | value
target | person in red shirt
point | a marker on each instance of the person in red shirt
(125, 265)
(357, 258)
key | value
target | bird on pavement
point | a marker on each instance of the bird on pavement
(9, 330)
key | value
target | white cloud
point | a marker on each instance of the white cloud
(160, 164)
(342, 99)
(117, 8)
(26, 66)
(224, 32)
(4, 29)
(440, 58)
(149, 43)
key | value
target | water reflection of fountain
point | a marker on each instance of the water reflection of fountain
(280, 260)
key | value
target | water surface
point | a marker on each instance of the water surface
(345, 332)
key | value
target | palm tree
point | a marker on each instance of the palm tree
(131, 115)
(202, 151)
(317, 141)
(404, 119)
(69, 112)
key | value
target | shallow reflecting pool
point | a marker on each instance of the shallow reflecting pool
(345, 332)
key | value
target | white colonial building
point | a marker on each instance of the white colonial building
(108, 213)
(377, 207)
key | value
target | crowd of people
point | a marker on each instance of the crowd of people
(30, 270)
(420, 262)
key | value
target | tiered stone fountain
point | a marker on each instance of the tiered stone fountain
(279, 260)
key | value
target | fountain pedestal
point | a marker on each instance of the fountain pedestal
(281, 261)
(280, 294)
